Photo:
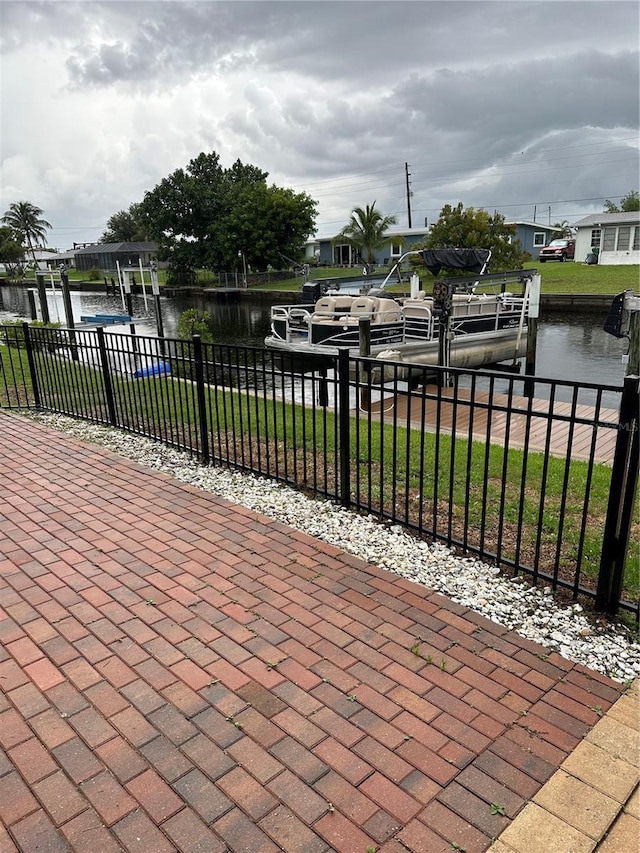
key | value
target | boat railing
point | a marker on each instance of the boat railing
(418, 320)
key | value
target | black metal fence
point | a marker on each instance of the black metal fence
(538, 476)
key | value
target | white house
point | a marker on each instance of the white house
(615, 235)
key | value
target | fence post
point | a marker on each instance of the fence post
(202, 406)
(343, 427)
(32, 366)
(624, 480)
(106, 377)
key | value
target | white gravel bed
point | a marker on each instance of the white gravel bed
(531, 612)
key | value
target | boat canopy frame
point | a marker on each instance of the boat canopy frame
(473, 260)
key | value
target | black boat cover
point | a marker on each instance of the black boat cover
(473, 260)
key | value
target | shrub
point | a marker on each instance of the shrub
(180, 275)
(14, 335)
(193, 323)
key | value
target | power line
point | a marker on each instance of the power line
(528, 204)
(366, 186)
(434, 163)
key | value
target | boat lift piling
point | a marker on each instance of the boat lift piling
(31, 297)
(68, 311)
(364, 330)
(42, 297)
(155, 289)
(123, 274)
(532, 333)
(124, 307)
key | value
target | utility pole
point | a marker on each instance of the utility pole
(407, 175)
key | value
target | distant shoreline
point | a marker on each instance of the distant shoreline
(548, 301)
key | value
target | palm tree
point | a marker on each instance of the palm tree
(367, 231)
(563, 228)
(24, 218)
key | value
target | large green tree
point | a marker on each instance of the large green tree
(266, 224)
(469, 228)
(25, 220)
(205, 216)
(125, 227)
(11, 250)
(629, 203)
(366, 231)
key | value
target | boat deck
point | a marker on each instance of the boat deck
(505, 421)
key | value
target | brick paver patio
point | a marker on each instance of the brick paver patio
(180, 673)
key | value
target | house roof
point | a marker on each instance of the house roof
(539, 225)
(113, 248)
(390, 233)
(608, 219)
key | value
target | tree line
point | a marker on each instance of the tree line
(207, 217)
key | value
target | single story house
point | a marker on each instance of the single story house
(332, 252)
(533, 236)
(106, 256)
(52, 260)
(46, 259)
(616, 236)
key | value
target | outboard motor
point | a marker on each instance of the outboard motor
(311, 292)
(618, 322)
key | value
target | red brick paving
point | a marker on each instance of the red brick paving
(180, 673)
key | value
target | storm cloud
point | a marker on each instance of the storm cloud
(515, 106)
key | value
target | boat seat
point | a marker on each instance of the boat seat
(418, 308)
(325, 307)
(364, 306)
(332, 309)
(388, 311)
(343, 305)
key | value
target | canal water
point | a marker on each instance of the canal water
(571, 346)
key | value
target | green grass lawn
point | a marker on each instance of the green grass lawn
(572, 277)
(569, 277)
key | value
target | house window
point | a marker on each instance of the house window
(342, 255)
(396, 250)
(636, 239)
(624, 235)
(609, 239)
(596, 235)
(539, 238)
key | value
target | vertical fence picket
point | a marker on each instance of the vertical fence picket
(32, 365)
(622, 496)
(106, 377)
(200, 393)
(344, 366)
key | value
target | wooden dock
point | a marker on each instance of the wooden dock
(495, 415)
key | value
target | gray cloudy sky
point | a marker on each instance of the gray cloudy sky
(511, 105)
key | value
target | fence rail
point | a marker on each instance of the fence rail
(538, 476)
